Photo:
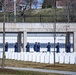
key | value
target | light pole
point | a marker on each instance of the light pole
(14, 10)
(54, 26)
(3, 59)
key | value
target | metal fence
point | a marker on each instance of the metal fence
(38, 18)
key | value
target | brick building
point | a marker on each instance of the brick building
(10, 4)
(61, 3)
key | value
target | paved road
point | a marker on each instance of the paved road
(43, 70)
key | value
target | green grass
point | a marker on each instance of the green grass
(14, 63)
(17, 72)
(36, 15)
(49, 11)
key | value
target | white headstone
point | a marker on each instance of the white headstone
(61, 58)
(72, 58)
(51, 58)
(38, 57)
(47, 57)
(67, 58)
(42, 60)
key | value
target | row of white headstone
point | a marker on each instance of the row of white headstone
(42, 57)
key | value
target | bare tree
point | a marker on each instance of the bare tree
(3, 59)
(9, 5)
(1, 4)
(35, 3)
(29, 3)
(48, 4)
(69, 9)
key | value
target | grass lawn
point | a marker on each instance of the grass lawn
(16, 72)
(15, 63)
(36, 15)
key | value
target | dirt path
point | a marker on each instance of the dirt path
(43, 70)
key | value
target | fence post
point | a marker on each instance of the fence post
(9, 17)
(75, 60)
(24, 18)
(40, 17)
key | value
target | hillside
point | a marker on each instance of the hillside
(48, 11)
(38, 15)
